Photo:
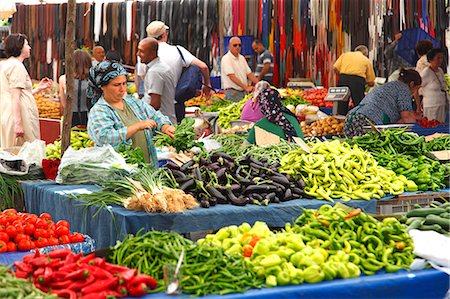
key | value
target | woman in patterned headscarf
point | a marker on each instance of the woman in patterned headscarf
(277, 119)
(116, 119)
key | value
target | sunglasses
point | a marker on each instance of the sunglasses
(237, 45)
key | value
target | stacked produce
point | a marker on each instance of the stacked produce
(144, 190)
(326, 126)
(294, 101)
(337, 170)
(184, 137)
(47, 108)
(221, 179)
(439, 144)
(78, 140)
(198, 101)
(24, 231)
(13, 287)
(232, 112)
(217, 104)
(206, 270)
(69, 275)
(323, 244)
(429, 123)
(289, 92)
(435, 217)
(317, 97)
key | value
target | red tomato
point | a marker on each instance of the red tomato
(4, 237)
(21, 237)
(30, 218)
(3, 219)
(45, 216)
(10, 211)
(12, 246)
(76, 237)
(11, 231)
(64, 239)
(30, 229)
(40, 233)
(62, 230)
(41, 242)
(41, 223)
(53, 241)
(20, 229)
(3, 246)
(63, 223)
(25, 245)
(2, 227)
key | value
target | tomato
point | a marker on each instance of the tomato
(24, 245)
(4, 237)
(20, 229)
(2, 227)
(30, 229)
(3, 219)
(51, 225)
(41, 223)
(51, 232)
(52, 241)
(62, 230)
(30, 218)
(41, 242)
(3, 246)
(12, 246)
(64, 239)
(45, 216)
(63, 223)
(21, 237)
(11, 231)
(40, 233)
(76, 237)
(10, 211)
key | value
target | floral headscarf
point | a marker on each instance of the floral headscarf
(100, 75)
(270, 104)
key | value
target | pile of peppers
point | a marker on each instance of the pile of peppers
(337, 170)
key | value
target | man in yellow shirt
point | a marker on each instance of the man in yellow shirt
(354, 70)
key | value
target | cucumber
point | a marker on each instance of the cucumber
(415, 224)
(435, 219)
(412, 219)
(445, 205)
(445, 215)
(423, 212)
(434, 227)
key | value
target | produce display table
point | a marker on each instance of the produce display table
(47, 196)
(428, 283)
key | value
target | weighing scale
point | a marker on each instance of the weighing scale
(337, 95)
(299, 83)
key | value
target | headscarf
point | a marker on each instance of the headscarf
(100, 75)
(260, 86)
(270, 104)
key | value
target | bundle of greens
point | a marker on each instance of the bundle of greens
(133, 156)
(184, 137)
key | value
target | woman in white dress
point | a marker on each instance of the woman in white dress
(435, 103)
(18, 111)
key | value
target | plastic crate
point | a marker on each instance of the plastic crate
(396, 206)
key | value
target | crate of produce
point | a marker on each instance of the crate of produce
(405, 202)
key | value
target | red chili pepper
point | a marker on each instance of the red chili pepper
(99, 285)
(101, 295)
(97, 261)
(60, 275)
(128, 275)
(21, 266)
(122, 290)
(56, 264)
(78, 274)
(40, 261)
(354, 213)
(148, 280)
(138, 290)
(99, 272)
(39, 272)
(21, 274)
(26, 259)
(87, 258)
(59, 253)
(248, 250)
(63, 284)
(48, 274)
(114, 269)
(78, 285)
(65, 294)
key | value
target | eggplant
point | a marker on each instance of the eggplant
(183, 179)
(212, 201)
(178, 173)
(188, 185)
(204, 203)
(213, 166)
(221, 173)
(235, 187)
(255, 166)
(263, 160)
(297, 192)
(260, 188)
(172, 165)
(275, 200)
(202, 161)
(287, 195)
(245, 182)
(229, 164)
(186, 165)
(280, 179)
(237, 201)
(213, 192)
(256, 196)
(197, 174)
(301, 183)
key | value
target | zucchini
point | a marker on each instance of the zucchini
(423, 212)
(415, 224)
(434, 227)
(435, 219)
(412, 219)
(445, 215)
(445, 205)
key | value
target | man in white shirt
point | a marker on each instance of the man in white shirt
(99, 55)
(171, 56)
(159, 88)
(235, 72)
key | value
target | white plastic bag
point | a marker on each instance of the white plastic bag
(12, 164)
(91, 165)
(33, 152)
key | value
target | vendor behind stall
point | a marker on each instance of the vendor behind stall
(116, 119)
(388, 104)
(277, 119)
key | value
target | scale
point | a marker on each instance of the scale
(300, 83)
(337, 95)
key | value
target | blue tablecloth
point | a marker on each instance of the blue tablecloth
(419, 284)
(429, 131)
(47, 196)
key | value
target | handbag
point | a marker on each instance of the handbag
(188, 82)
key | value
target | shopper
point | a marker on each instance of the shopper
(116, 119)
(80, 105)
(422, 49)
(18, 112)
(434, 89)
(277, 119)
(159, 89)
(389, 103)
(177, 58)
(251, 111)
(235, 72)
(354, 70)
(394, 61)
(264, 62)
(99, 55)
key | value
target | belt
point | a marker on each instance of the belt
(233, 89)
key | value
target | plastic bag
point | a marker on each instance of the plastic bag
(33, 152)
(12, 164)
(91, 166)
